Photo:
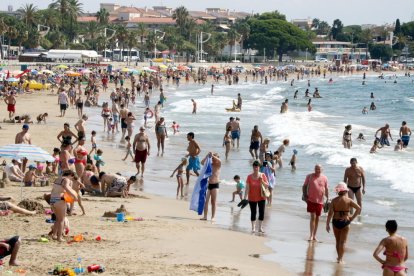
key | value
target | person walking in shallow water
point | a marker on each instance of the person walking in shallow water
(339, 211)
(314, 190)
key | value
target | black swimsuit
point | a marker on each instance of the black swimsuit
(341, 223)
(354, 189)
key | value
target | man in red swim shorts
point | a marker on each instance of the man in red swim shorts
(10, 100)
(314, 190)
(141, 147)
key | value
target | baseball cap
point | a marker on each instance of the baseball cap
(25, 126)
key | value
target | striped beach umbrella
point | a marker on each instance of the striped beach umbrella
(30, 152)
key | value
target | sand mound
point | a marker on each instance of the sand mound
(32, 205)
(112, 214)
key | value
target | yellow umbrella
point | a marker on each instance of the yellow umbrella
(163, 66)
(62, 66)
(125, 70)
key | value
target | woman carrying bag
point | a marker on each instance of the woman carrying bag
(257, 195)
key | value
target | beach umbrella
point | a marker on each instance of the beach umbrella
(125, 70)
(163, 66)
(62, 66)
(85, 71)
(72, 74)
(12, 79)
(30, 152)
(47, 72)
(135, 72)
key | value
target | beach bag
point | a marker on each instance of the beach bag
(264, 189)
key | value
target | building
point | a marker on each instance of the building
(338, 50)
(304, 24)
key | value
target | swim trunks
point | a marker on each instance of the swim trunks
(193, 163)
(354, 189)
(118, 185)
(384, 141)
(314, 208)
(63, 106)
(405, 139)
(123, 123)
(213, 186)
(11, 108)
(115, 117)
(141, 156)
(235, 134)
(254, 145)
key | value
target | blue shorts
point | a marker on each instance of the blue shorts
(193, 163)
(116, 118)
(384, 141)
(405, 139)
(235, 134)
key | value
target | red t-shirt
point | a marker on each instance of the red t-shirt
(255, 187)
(317, 187)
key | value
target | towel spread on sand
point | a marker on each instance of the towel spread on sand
(198, 197)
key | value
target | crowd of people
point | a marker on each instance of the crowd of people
(79, 170)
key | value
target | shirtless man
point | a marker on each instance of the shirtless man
(10, 100)
(124, 114)
(235, 131)
(80, 126)
(239, 101)
(141, 147)
(194, 106)
(213, 185)
(255, 140)
(405, 133)
(385, 132)
(23, 137)
(193, 160)
(355, 179)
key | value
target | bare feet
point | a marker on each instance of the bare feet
(15, 263)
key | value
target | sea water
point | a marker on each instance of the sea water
(317, 135)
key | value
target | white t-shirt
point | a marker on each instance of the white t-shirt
(63, 98)
(8, 169)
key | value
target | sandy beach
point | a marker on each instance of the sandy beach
(169, 241)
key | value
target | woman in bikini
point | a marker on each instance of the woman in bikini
(347, 137)
(339, 214)
(61, 186)
(227, 141)
(395, 250)
(106, 113)
(66, 135)
(130, 123)
(161, 133)
(80, 156)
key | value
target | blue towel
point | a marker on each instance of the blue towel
(198, 197)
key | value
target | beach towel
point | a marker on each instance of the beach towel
(198, 197)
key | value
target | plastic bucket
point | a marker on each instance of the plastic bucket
(120, 217)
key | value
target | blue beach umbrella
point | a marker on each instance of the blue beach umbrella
(30, 152)
(12, 80)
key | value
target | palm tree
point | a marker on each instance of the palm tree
(3, 30)
(232, 36)
(28, 14)
(121, 35)
(62, 6)
(221, 40)
(22, 37)
(49, 17)
(181, 16)
(74, 9)
(92, 31)
(102, 16)
(142, 32)
(131, 42)
(12, 33)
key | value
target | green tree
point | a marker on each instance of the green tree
(74, 10)
(181, 16)
(121, 35)
(408, 29)
(102, 16)
(243, 28)
(336, 29)
(142, 32)
(315, 23)
(3, 30)
(271, 15)
(50, 18)
(323, 28)
(62, 6)
(28, 14)
(380, 51)
(397, 29)
(277, 34)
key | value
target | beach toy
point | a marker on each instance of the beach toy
(78, 238)
(120, 217)
(98, 238)
(20, 271)
(79, 269)
(129, 218)
(96, 268)
(44, 240)
(50, 221)
(48, 212)
(138, 219)
(68, 198)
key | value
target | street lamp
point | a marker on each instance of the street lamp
(159, 37)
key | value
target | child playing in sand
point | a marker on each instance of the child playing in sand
(30, 176)
(93, 142)
(98, 159)
(110, 125)
(41, 118)
(293, 160)
(175, 127)
(77, 185)
(180, 171)
(128, 148)
(239, 187)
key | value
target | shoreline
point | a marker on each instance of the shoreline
(219, 253)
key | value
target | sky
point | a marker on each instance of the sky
(350, 12)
